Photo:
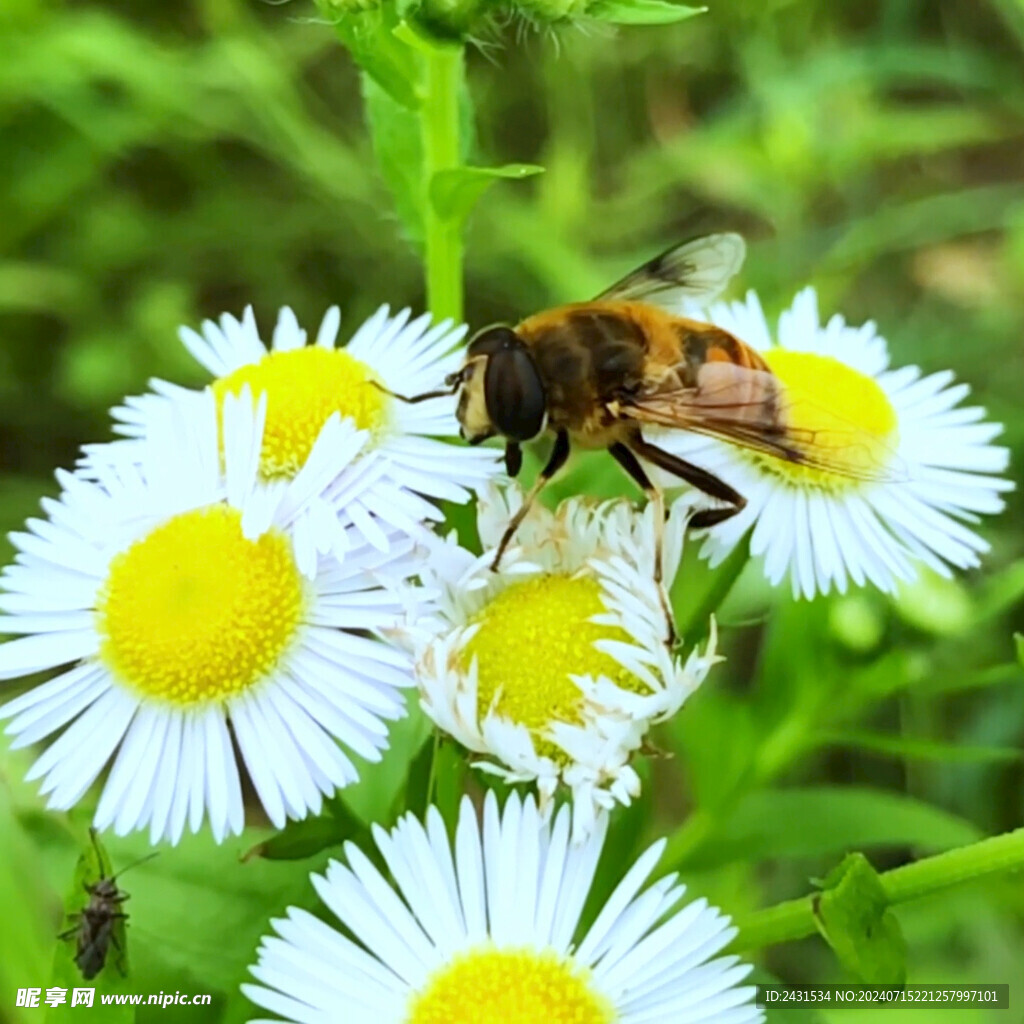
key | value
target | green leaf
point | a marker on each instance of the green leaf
(455, 192)
(641, 12)
(450, 770)
(916, 749)
(1018, 640)
(397, 144)
(417, 795)
(28, 929)
(853, 915)
(373, 39)
(379, 795)
(301, 839)
(821, 820)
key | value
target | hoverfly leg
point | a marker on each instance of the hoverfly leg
(657, 498)
(704, 481)
(713, 516)
(556, 461)
(513, 459)
(628, 461)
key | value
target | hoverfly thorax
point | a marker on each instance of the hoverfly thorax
(502, 389)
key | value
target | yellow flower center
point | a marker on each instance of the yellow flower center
(194, 612)
(304, 387)
(510, 986)
(845, 414)
(532, 636)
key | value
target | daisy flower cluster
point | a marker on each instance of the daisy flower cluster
(244, 589)
(213, 591)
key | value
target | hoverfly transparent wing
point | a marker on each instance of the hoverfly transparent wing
(751, 408)
(694, 271)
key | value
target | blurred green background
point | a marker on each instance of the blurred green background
(166, 162)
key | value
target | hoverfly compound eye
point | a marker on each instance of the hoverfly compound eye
(513, 390)
(492, 339)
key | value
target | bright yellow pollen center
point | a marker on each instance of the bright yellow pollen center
(510, 986)
(193, 612)
(532, 636)
(845, 415)
(304, 387)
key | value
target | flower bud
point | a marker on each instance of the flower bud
(449, 19)
(552, 10)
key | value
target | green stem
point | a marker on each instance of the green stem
(693, 625)
(987, 857)
(794, 919)
(686, 839)
(692, 628)
(439, 121)
(432, 777)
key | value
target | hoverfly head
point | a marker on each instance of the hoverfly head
(502, 390)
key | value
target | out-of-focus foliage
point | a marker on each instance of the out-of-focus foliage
(166, 162)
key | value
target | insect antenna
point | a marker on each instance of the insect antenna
(451, 382)
(100, 855)
(135, 864)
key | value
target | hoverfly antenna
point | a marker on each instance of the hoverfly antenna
(445, 392)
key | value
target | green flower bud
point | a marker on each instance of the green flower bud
(450, 18)
(552, 10)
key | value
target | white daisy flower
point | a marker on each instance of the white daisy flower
(168, 593)
(922, 467)
(488, 929)
(556, 667)
(404, 460)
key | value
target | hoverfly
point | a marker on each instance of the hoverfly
(595, 373)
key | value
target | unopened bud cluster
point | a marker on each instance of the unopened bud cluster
(462, 19)
(553, 11)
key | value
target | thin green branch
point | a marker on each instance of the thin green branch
(794, 919)
(692, 626)
(439, 119)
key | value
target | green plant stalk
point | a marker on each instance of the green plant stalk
(794, 919)
(694, 627)
(439, 122)
(432, 778)
(692, 630)
(697, 827)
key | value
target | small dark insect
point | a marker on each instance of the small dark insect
(93, 928)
